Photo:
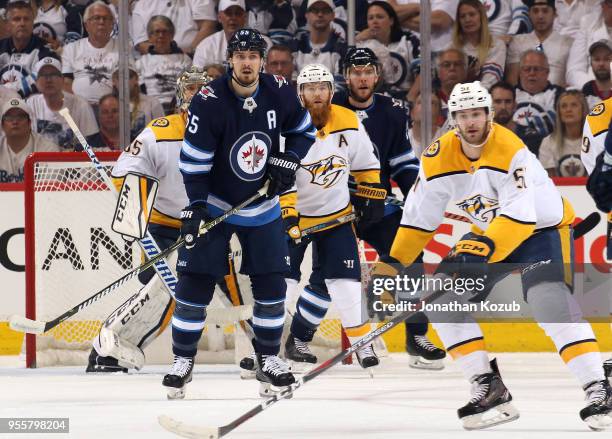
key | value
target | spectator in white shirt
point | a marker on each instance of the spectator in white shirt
(88, 63)
(160, 67)
(593, 27)
(194, 20)
(569, 14)
(499, 14)
(18, 140)
(50, 22)
(46, 105)
(486, 52)
(600, 88)
(544, 38)
(560, 152)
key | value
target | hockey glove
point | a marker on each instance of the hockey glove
(291, 221)
(191, 218)
(469, 258)
(382, 286)
(281, 171)
(599, 185)
(369, 202)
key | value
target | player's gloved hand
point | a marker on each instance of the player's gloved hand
(281, 169)
(469, 258)
(291, 221)
(369, 202)
(383, 275)
(599, 185)
(191, 217)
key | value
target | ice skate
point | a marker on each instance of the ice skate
(178, 377)
(367, 358)
(423, 354)
(598, 412)
(99, 364)
(248, 366)
(298, 353)
(273, 374)
(490, 404)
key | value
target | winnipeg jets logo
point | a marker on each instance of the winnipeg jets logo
(328, 171)
(248, 155)
(480, 208)
(207, 92)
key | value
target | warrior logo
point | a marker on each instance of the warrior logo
(249, 154)
(328, 171)
(480, 208)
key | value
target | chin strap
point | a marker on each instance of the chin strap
(242, 84)
(490, 123)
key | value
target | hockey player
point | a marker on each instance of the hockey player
(596, 156)
(519, 218)
(321, 194)
(154, 153)
(386, 123)
(231, 148)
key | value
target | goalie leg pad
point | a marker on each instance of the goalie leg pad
(127, 354)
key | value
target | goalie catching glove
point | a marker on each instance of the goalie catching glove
(369, 202)
(281, 171)
(191, 218)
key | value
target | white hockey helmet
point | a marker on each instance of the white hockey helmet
(467, 96)
(311, 73)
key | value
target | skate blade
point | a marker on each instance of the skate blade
(495, 416)
(299, 367)
(175, 393)
(266, 390)
(417, 362)
(247, 374)
(599, 422)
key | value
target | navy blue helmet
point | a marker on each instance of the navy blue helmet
(359, 56)
(246, 39)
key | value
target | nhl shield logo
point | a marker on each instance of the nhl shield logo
(249, 154)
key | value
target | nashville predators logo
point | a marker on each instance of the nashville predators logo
(597, 109)
(480, 208)
(328, 171)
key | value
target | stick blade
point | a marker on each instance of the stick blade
(587, 224)
(185, 430)
(23, 324)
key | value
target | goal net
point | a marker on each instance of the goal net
(71, 253)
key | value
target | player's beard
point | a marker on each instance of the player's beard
(359, 96)
(319, 113)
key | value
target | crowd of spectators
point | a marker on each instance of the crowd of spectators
(545, 62)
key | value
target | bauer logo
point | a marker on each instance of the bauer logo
(249, 154)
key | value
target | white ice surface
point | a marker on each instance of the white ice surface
(343, 403)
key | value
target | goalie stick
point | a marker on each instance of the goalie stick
(204, 432)
(23, 324)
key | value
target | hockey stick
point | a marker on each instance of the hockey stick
(609, 238)
(23, 324)
(204, 432)
(147, 244)
(392, 201)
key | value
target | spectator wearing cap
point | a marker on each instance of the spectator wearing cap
(594, 27)
(18, 141)
(535, 100)
(274, 18)
(143, 108)
(45, 107)
(108, 115)
(6, 94)
(213, 49)
(193, 20)
(279, 61)
(89, 62)
(503, 97)
(160, 67)
(600, 88)
(543, 38)
(21, 50)
(319, 44)
(442, 18)
(560, 152)
(398, 51)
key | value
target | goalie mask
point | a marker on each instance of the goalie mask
(468, 96)
(313, 73)
(189, 82)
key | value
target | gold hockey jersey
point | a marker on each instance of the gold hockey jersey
(594, 133)
(155, 153)
(506, 194)
(342, 147)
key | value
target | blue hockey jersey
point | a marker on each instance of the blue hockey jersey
(228, 140)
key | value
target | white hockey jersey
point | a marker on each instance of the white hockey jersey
(321, 191)
(594, 133)
(155, 153)
(506, 194)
